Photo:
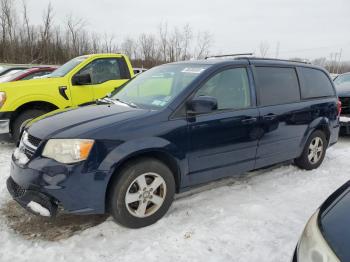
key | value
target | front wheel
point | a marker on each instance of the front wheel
(22, 119)
(142, 193)
(314, 151)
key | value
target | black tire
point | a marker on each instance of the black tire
(22, 118)
(126, 180)
(303, 161)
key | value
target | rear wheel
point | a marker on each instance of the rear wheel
(314, 151)
(22, 119)
(142, 194)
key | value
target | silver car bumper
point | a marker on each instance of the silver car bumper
(4, 126)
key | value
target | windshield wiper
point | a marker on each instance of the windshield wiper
(131, 104)
(104, 100)
(107, 100)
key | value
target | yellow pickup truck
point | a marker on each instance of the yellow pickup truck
(77, 82)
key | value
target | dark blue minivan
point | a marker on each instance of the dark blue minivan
(171, 128)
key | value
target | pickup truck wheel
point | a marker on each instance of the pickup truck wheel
(22, 119)
(142, 194)
(314, 151)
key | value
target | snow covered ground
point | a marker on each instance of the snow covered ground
(258, 217)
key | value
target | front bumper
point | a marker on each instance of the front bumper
(344, 122)
(5, 122)
(4, 126)
(52, 184)
(26, 198)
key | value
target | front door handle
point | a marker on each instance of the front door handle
(249, 120)
(270, 117)
(62, 91)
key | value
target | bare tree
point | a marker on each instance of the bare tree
(128, 47)
(147, 46)
(23, 42)
(75, 27)
(204, 41)
(163, 39)
(264, 48)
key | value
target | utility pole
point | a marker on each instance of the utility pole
(331, 63)
(277, 49)
(339, 61)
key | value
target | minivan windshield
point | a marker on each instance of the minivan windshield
(157, 87)
(67, 67)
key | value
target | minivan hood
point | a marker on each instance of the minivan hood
(78, 122)
(334, 220)
(343, 90)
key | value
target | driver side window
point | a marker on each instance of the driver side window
(230, 87)
(102, 70)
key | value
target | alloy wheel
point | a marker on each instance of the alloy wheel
(315, 150)
(145, 195)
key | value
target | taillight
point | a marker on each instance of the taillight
(339, 107)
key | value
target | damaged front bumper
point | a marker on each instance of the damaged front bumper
(33, 201)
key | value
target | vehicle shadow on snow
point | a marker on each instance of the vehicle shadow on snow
(63, 226)
(34, 227)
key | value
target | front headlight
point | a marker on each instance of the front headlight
(68, 151)
(312, 246)
(2, 98)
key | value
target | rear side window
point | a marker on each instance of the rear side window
(315, 84)
(277, 85)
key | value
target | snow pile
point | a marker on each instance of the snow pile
(258, 217)
(37, 208)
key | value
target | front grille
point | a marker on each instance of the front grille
(34, 140)
(28, 153)
(345, 105)
(15, 189)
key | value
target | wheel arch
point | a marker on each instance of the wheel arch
(34, 105)
(156, 153)
(321, 124)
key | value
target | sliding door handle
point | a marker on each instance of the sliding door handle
(270, 117)
(249, 120)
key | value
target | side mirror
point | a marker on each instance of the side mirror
(81, 79)
(203, 104)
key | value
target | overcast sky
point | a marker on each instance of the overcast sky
(303, 28)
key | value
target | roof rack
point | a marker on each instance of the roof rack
(273, 59)
(229, 55)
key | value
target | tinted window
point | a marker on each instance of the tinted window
(277, 85)
(315, 84)
(230, 87)
(102, 70)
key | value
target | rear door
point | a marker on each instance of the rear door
(283, 120)
(224, 142)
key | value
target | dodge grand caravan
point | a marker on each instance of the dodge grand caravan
(172, 128)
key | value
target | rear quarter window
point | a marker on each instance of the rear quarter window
(315, 83)
(277, 85)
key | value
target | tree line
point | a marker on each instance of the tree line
(49, 43)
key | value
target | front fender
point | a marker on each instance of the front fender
(35, 98)
(135, 147)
